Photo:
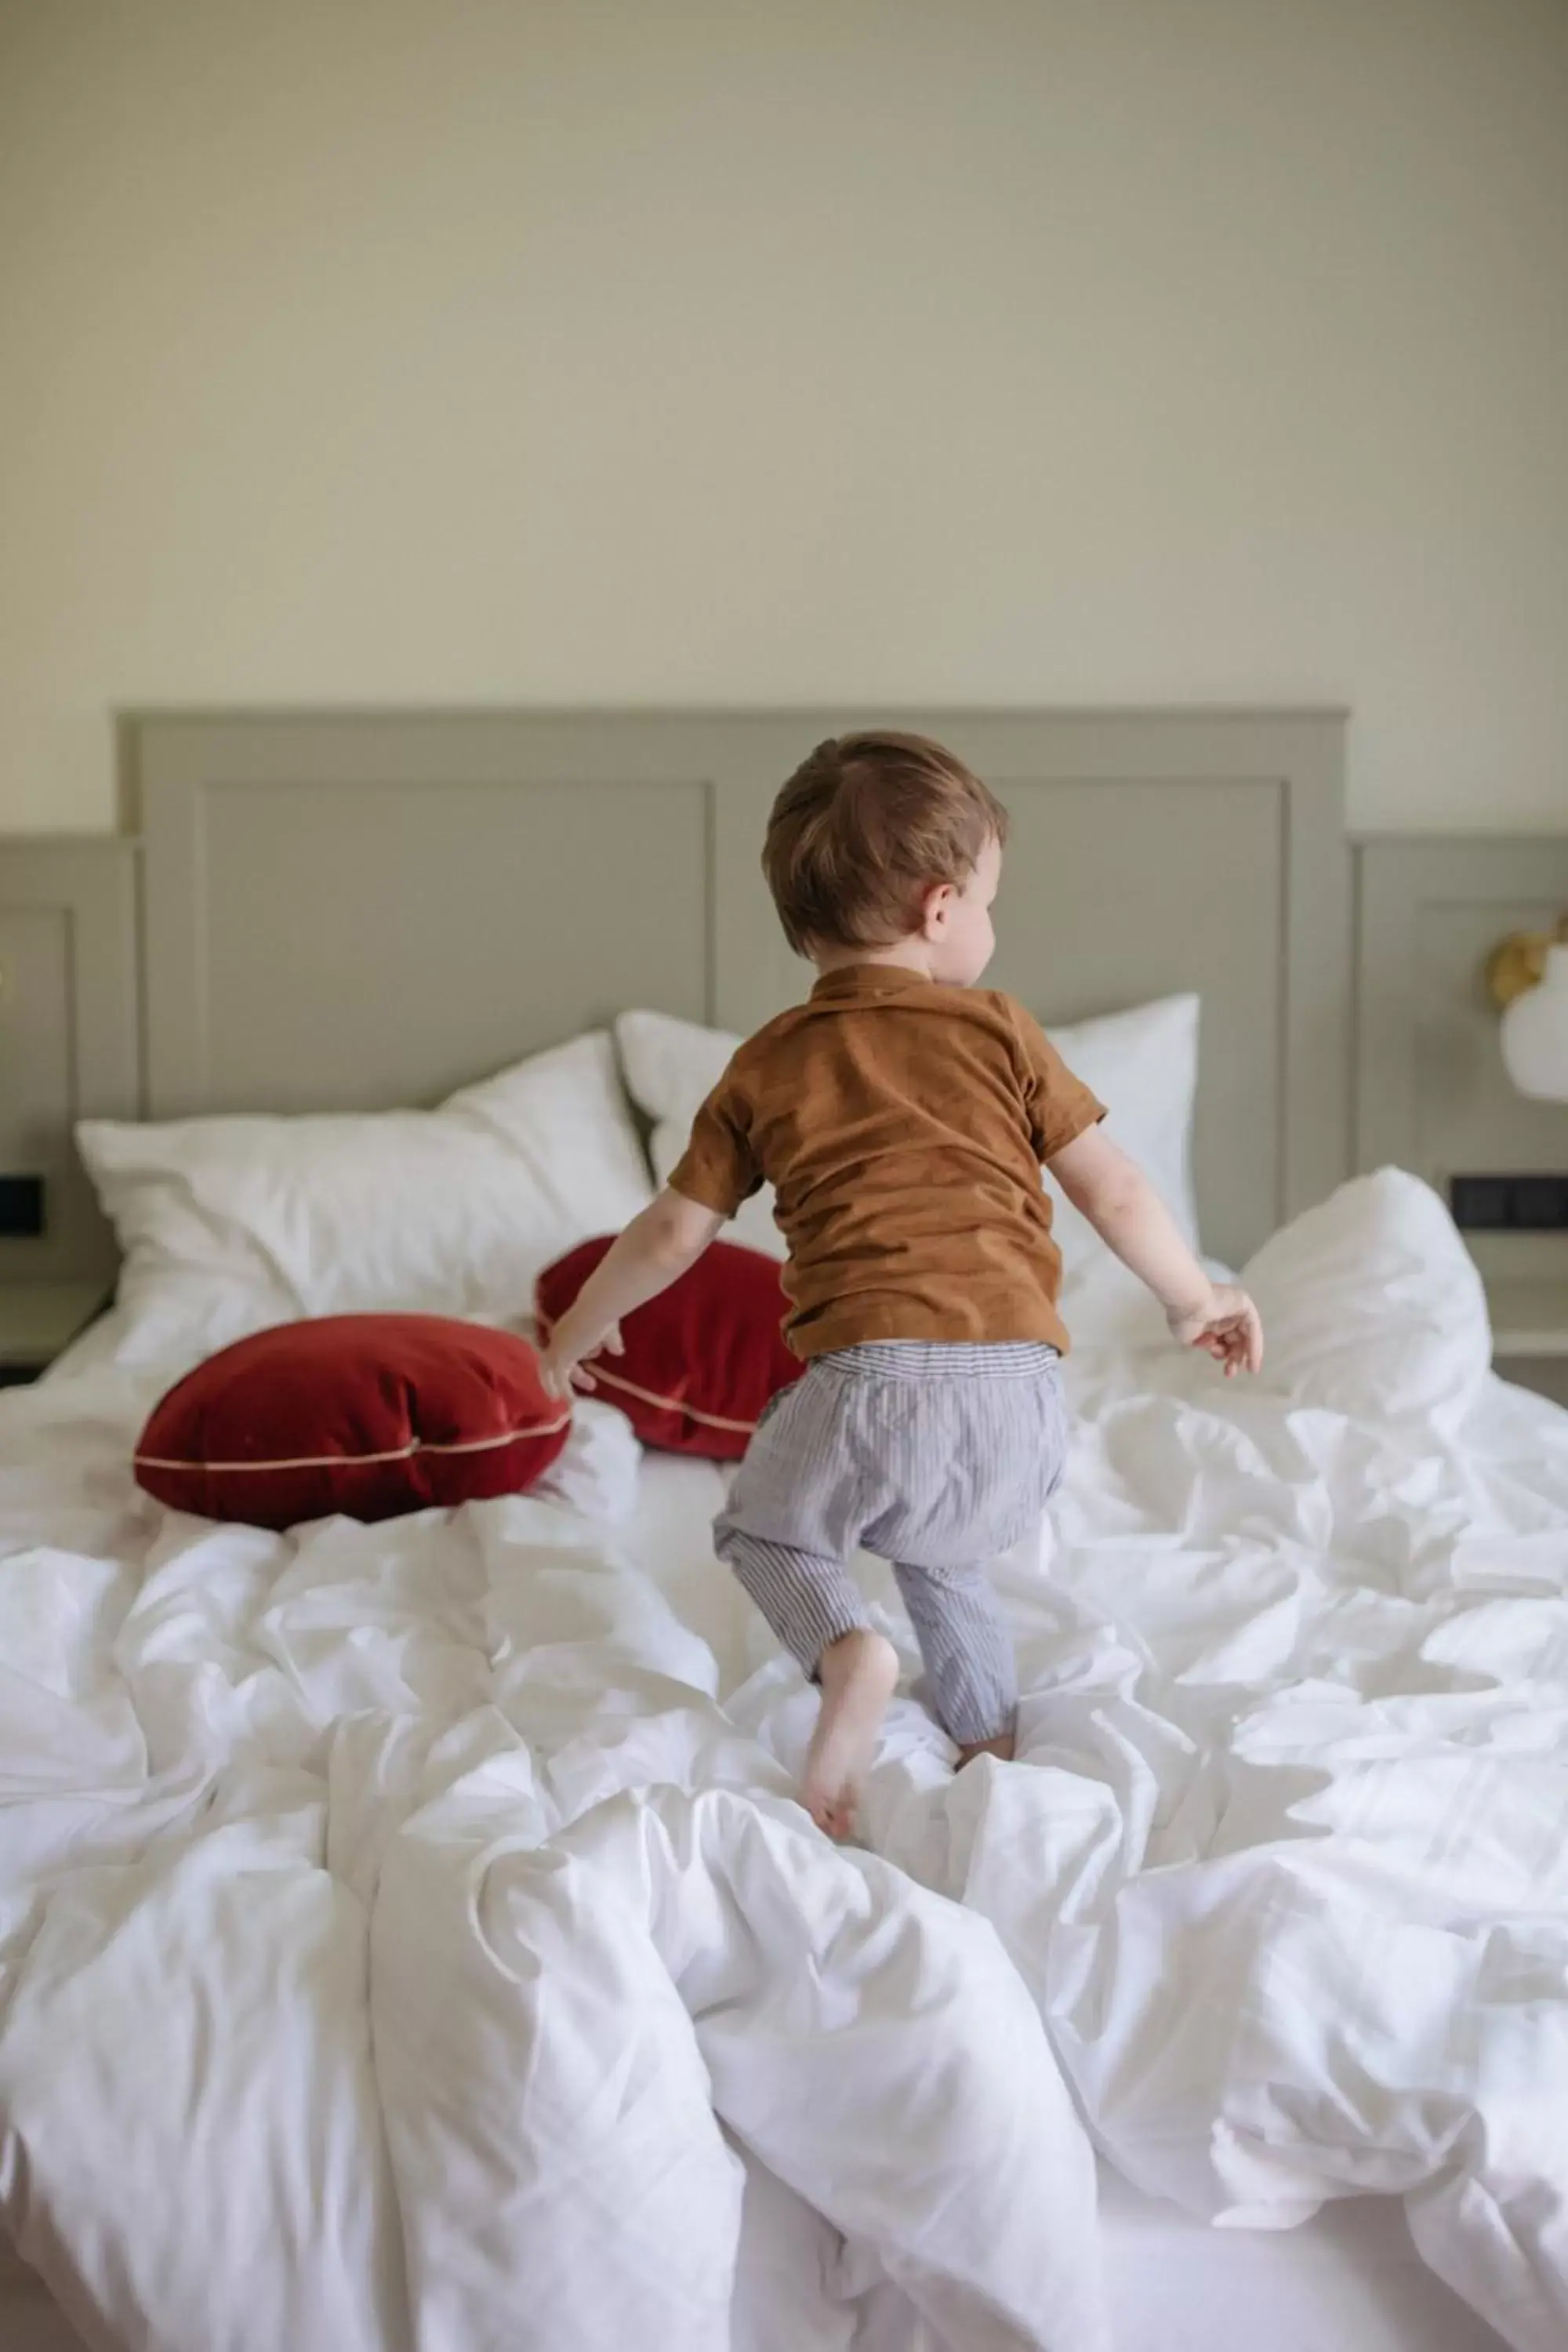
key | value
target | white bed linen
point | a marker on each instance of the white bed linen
(335, 1869)
(1349, 2277)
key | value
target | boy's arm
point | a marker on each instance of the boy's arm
(652, 1252)
(1127, 1213)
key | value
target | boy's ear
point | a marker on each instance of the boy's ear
(934, 909)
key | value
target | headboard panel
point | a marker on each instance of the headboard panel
(353, 911)
(1433, 1092)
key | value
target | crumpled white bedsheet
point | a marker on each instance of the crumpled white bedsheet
(400, 1944)
(400, 1947)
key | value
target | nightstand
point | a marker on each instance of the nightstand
(39, 1319)
(1530, 1334)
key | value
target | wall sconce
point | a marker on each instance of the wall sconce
(1527, 975)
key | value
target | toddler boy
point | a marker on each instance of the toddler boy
(902, 1115)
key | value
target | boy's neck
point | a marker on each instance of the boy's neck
(904, 955)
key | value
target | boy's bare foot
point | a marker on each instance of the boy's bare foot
(1003, 1745)
(859, 1673)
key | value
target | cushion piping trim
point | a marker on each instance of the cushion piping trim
(355, 1461)
(668, 1405)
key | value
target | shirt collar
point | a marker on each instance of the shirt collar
(859, 981)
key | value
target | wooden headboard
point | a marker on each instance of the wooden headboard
(352, 911)
(357, 911)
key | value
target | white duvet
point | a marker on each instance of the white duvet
(406, 1937)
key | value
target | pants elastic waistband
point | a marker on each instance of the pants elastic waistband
(941, 1360)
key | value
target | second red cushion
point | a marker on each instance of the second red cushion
(701, 1359)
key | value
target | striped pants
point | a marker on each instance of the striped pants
(936, 1458)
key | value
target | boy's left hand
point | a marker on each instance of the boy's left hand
(1227, 1328)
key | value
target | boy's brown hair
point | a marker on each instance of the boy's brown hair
(864, 828)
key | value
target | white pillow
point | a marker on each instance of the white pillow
(228, 1225)
(1144, 1066)
(672, 1067)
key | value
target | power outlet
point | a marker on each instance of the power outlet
(1510, 1204)
(21, 1208)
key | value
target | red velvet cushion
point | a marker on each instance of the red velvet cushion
(367, 1414)
(701, 1359)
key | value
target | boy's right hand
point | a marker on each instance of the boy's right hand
(654, 1251)
(1228, 1327)
(561, 1364)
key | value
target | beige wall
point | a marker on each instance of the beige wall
(436, 351)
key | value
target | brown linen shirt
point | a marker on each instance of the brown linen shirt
(903, 1125)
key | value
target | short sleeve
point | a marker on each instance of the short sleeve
(1060, 1107)
(717, 1169)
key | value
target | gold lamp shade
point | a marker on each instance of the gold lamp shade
(1518, 963)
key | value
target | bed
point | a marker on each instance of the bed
(405, 1933)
